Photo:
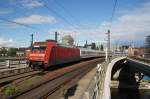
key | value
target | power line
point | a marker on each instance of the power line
(108, 33)
(21, 24)
(26, 15)
(75, 27)
(113, 12)
(58, 15)
(61, 6)
(112, 15)
(69, 14)
(27, 26)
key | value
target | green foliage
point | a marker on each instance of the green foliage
(85, 45)
(102, 47)
(93, 46)
(3, 51)
(9, 52)
(11, 89)
(12, 51)
(97, 48)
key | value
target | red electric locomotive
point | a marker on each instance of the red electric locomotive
(45, 54)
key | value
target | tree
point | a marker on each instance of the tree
(12, 51)
(3, 52)
(97, 48)
(85, 45)
(68, 40)
(93, 46)
(102, 47)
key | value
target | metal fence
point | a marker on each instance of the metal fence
(96, 86)
(12, 61)
(95, 89)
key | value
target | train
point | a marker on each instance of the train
(50, 53)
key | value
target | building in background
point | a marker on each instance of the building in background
(13, 52)
(147, 46)
(124, 48)
(136, 52)
(95, 46)
(21, 52)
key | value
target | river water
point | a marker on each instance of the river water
(127, 79)
(146, 78)
(130, 94)
(117, 93)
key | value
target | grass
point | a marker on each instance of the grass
(11, 89)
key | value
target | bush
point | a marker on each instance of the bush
(11, 89)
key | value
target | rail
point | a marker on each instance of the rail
(57, 80)
(12, 72)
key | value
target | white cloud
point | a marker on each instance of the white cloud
(81, 35)
(36, 19)
(65, 31)
(27, 4)
(133, 24)
(6, 42)
(30, 4)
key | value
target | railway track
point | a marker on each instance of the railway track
(52, 82)
(17, 76)
(16, 71)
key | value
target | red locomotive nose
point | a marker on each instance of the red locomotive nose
(37, 53)
(37, 56)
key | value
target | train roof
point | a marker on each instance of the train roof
(91, 50)
(39, 43)
(67, 46)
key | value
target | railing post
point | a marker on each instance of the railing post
(106, 55)
(8, 63)
(19, 61)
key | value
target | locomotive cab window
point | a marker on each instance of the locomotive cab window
(39, 48)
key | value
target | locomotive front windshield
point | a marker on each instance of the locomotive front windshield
(39, 48)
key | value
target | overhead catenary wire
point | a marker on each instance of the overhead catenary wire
(73, 26)
(111, 18)
(69, 14)
(113, 12)
(21, 24)
(78, 29)
(110, 25)
(18, 23)
(26, 15)
(58, 15)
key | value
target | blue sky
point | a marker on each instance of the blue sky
(83, 19)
